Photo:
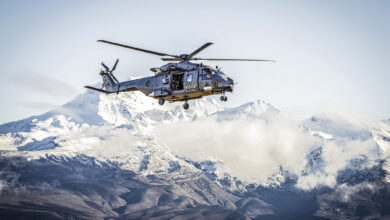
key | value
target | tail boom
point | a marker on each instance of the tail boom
(98, 90)
(114, 91)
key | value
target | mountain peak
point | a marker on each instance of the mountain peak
(256, 109)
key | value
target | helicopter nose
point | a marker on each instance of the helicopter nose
(230, 85)
(230, 88)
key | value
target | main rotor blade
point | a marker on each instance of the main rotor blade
(171, 59)
(105, 67)
(199, 49)
(113, 68)
(217, 59)
(136, 48)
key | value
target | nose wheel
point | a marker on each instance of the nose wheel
(161, 101)
(186, 105)
(223, 98)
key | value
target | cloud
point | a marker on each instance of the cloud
(249, 148)
(347, 193)
(255, 149)
(100, 140)
(42, 84)
(338, 156)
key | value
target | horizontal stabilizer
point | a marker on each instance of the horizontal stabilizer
(96, 89)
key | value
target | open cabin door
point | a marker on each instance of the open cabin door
(177, 81)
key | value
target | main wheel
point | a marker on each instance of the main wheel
(225, 99)
(186, 106)
(161, 101)
(222, 98)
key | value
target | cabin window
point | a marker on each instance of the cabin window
(189, 77)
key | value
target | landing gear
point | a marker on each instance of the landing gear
(186, 105)
(223, 98)
(161, 101)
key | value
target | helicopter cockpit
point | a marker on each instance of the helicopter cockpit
(208, 73)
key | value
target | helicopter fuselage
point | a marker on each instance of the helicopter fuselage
(178, 82)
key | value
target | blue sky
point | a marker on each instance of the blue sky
(329, 52)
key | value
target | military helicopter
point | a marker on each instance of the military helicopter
(176, 81)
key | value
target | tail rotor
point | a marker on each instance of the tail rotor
(108, 77)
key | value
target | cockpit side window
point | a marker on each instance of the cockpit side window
(206, 73)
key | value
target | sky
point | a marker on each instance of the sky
(328, 53)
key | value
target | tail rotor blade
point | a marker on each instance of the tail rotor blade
(113, 68)
(115, 79)
(105, 67)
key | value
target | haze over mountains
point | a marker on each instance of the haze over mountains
(125, 156)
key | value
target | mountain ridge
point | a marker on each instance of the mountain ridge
(132, 133)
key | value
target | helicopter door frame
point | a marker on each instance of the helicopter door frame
(198, 72)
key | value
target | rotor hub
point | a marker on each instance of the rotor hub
(184, 56)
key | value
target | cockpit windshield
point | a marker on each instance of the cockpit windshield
(209, 73)
(206, 73)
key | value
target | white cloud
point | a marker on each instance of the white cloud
(255, 149)
(249, 148)
(345, 193)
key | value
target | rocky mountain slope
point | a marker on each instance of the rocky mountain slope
(125, 156)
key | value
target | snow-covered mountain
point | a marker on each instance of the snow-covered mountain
(125, 156)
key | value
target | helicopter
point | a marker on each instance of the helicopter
(178, 80)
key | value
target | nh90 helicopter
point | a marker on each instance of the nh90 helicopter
(176, 81)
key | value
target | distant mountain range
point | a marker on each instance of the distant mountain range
(125, 156)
